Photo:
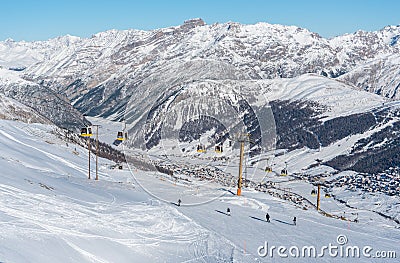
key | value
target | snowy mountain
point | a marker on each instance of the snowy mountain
(44, 102)
(307, 112)
(111, 64)
(23, 54)
(318, 108)
(11, 109)
(379, 76)
(136, 75)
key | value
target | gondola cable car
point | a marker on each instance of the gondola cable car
(86, 132)
(314, 193)
(284, 172)
(218, 149)
(201, 148)
(120, 136)
(268, 169)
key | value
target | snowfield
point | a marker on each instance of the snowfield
(51, 212)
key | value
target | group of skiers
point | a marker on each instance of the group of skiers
(267, 216)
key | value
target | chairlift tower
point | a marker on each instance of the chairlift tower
(87, 132)
(242, 138)
(318, 196)
(318, 187)
(97, 150)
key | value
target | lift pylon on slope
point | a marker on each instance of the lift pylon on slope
(242, 138)
(87, 133)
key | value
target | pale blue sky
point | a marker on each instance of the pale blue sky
(44, 19)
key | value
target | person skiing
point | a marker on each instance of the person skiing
(267, 217)
(294, 220)
(179, 202)
(228, 211)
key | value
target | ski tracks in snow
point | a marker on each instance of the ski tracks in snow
(134, 226)
(49, 155)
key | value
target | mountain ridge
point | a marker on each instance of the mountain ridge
(264, 50)
(122, 74)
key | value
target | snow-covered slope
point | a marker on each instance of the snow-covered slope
(50, 211)
(13, 110)
(379, 76)
(45, 102)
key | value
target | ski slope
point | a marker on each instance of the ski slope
(51, 212)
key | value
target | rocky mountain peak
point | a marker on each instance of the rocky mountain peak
(192, 23)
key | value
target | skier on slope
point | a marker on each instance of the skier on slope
(294, 220)
(267, 217)
(228, 211)
(179, 202)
